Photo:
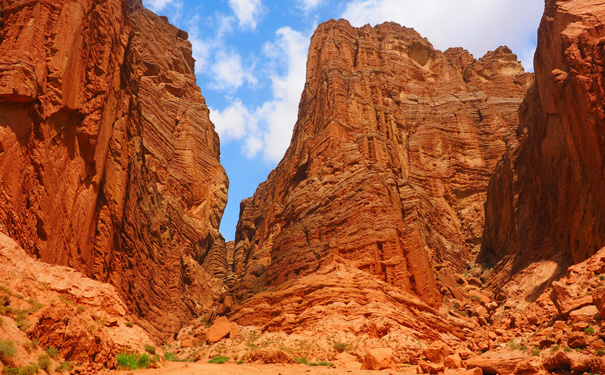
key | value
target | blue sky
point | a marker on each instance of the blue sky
(251, 56)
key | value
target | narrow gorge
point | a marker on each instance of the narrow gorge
(434, 213)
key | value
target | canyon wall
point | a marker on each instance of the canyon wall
(386, 175)
(547, 199)
(108, 160)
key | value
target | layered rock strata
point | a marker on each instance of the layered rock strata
(547, 199)
(386, 174)
(57, 307)
(108, 160)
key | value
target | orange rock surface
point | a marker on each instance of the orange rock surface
(547, 199)
(108, 160)
(386, 174)
(85, 320)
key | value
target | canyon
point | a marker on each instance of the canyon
(434, 213)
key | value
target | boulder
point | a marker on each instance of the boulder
(437, 351)
(497, 362)
(453, 361)
(270, 357)
(348, 361)
(598, 299)
(578, 340)
(378, 359)
(220, 329)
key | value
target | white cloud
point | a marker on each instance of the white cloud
(308, 5)
(229, 73)
(157, 5)
(233, 123)
(477, 25)
(267, 129)
(248, 12)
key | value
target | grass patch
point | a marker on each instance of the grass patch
(301, 360)
(555, 347)
(31, 345)
(512, 345)
(340, 346)
(150, 349)
(52, 351)
(30, 369)
(7, 350)
(589, 330)
(44, 362)
(599, 352)
(219, 359)
(567, 349)
(65, 366)
(322, 363)
(133, 361)
(22, 324)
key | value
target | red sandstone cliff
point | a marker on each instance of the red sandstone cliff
(547, 199)
(108, 160)
(384, 181)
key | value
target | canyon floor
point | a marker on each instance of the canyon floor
(228, 369)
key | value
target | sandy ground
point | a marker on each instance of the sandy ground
(174, 368)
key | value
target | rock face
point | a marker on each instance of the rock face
(388, 167)
(547, 199)
(108, 160)
(85, 320)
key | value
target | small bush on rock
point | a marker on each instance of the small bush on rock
(7, 350)
(219, 359)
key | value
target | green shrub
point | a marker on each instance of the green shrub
(65, 366)
(22, 324)
(322, 363)
(536, 352)
(240, 362)
(171, 357)
(133, 361)
(602, 277)
(340, 346)
(150, 349)
(7, 350)
(301, 360)
(30, 369)
(512, 345)
(523, 348)
(219, 359)
(589, 330)
(129, 324)
(11, 371)
(52, 351)
(555, 347)
(44, 362)
(567, 349)
(599, 352)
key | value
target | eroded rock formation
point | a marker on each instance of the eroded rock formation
(387, 174)
(547, 199)
(108, 160)
(57, 307)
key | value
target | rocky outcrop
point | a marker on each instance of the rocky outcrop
(386, 174)
(547, 199)
(86, 321)
(108, 160)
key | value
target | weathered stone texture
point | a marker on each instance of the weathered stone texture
(389, 162)
(108, 160)
(547, 199)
